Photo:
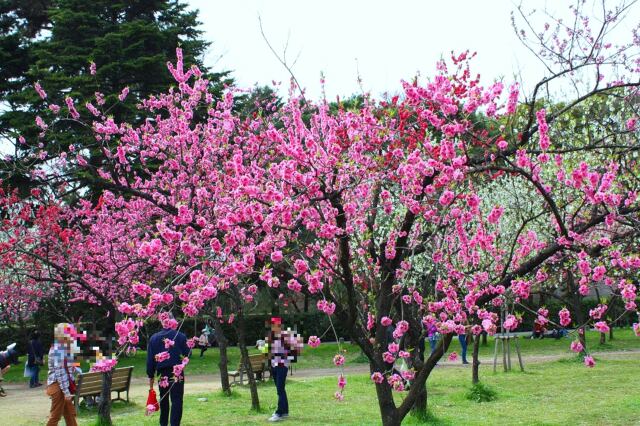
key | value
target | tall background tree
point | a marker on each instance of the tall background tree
(53, 42)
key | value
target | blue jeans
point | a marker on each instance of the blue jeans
(175, 391)
(463, 344)
(35, 372)
(279, 374)
(433, 342)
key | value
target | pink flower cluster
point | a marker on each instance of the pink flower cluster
(104, 365)
(565, 317)
(543, 129)
(598, 312)
(326, 307)
(314, 341)
(576, 346)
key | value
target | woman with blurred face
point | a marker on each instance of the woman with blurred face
(60, 377)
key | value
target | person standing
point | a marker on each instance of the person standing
(463, 344)
(284, 348)
(211, 336)
(432, 335)
(203, 343)
(3, 371)
(60, 383)
(164, 352)
(35, 359)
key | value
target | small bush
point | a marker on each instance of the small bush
(360, 359)
(481, 393)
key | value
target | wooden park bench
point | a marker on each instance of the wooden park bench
(90, 384)
(258, 365)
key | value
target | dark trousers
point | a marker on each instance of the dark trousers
(463, 343)
(203, 349)
(279, 374)
(35, 372)
(175, 392)
(433, 341)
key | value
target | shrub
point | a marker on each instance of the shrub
(480, 392)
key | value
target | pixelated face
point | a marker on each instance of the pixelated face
(61, 349)
(78, 351)
(285, 345)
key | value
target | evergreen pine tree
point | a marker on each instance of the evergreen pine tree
(130, 41)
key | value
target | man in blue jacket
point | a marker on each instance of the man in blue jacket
(164, 352)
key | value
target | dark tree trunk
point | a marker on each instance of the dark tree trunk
(420, 406)
(104, 407)
(611, 332)
(388, 410)
(582, 337)
(475, 367)
(575, 298)
(253, 386)
(484, 338)
(223, 365)
(603, 338)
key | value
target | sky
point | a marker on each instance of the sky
(381, 41)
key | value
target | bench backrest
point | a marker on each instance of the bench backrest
(257, 362)
(121, 378)
(91, 383)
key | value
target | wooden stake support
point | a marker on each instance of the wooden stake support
(505, 342)
(504, 339)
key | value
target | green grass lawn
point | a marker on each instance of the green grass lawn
(552, 393)
(322, 357)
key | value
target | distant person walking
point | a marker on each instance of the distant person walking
(35, 359)
(60, 384)
(164, 352)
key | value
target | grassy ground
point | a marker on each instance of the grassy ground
(552, 393)
(321, 357)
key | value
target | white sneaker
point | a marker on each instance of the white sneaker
(276, 418)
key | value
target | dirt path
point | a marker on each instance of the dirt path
(23, 406)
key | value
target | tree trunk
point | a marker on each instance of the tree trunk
(104, 408)
(253, 386)
(603, 338)
(388, 410)
(575, 298)
(611, 332)
(420, 406)
(484, 338)
(223, 365)
(475, 367)
(582, 337)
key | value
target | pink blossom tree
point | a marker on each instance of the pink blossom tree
(432, 208)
